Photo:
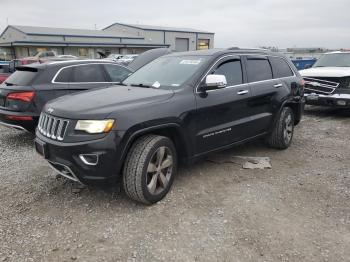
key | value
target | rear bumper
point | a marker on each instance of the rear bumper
(66, 158)
(333, 100)
(26, 125)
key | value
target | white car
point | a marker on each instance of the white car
(327, 82)
(127, 59)
(68, 56)
(114, 57)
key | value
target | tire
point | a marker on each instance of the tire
(282, 133)
(144, 179)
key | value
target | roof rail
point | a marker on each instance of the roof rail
(247, 49)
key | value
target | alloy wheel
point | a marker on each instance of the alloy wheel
(288, 129)
(159, 170)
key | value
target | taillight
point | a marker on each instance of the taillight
(21, 96)
(20, 118)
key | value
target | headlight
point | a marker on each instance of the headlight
(95, 126)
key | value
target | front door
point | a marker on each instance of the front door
(222, 114)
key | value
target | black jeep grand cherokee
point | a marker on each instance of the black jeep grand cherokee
(180, 106)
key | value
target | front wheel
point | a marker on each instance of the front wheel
(149, 169)
(282, 133)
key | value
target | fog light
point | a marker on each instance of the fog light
(89, 159)
(341, 103)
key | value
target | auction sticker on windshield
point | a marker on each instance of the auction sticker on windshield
(190, 62)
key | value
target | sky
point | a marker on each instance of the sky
(244, 23)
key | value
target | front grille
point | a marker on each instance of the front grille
(344, 82)
(320, 86)
(52, 127)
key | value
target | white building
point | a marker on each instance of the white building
(23, 41)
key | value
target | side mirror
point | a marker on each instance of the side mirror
(213, 82)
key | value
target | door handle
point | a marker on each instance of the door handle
(242, 92)
(277, 85)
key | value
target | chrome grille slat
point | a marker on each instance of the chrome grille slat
(320, 86)
(45, 125)
(52, 127)
(59, 131)
(48, 128)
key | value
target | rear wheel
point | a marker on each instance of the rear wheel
(282, 133)
(149, 169)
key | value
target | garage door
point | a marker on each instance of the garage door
(181, 44)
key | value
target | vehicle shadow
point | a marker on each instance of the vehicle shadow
(99, 194)
(319, 111)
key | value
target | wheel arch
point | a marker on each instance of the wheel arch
(173, 131)
(296, 108)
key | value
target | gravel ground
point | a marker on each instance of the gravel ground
(297, 211)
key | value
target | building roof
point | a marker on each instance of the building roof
(161, 28)
(52, 31)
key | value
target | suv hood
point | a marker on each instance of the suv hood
(99, 103)
(326, 72)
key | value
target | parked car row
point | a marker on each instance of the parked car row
(98, 120)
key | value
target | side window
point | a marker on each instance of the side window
(258, 69)
(232, 70)
(65, 75)
(280, 67)
(117, 73)
(88, 73)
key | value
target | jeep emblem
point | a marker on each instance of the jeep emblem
(50, 110)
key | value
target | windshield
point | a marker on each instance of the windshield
(167, 72)
(334, 60)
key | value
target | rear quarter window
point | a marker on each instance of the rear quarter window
(280, 67)
(65, 75)
(258, 69)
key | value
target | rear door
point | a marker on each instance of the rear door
(222, 115)
(264, 92)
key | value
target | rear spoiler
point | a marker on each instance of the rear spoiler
(26, 68)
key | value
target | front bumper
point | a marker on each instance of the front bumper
(65, 158)
(25, 125)
(333, 100)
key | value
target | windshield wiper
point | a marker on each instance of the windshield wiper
(9, 84)
(141, 85)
